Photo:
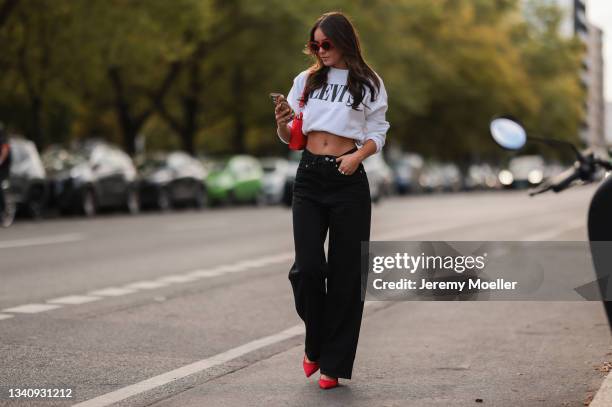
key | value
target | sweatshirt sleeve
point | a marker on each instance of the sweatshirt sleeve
(293, 97)
(376, 124)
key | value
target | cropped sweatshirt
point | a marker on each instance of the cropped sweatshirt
(329, 109)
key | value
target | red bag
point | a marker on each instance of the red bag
(297, 140)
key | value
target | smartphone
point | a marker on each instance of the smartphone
(274, 96)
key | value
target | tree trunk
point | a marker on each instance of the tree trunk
(36, 112)
(130, 124)
(238, 139)
(191, 107)
(5, 10)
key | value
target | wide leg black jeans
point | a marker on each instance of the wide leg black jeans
(328, 293)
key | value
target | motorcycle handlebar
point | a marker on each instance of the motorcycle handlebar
(564, 179)
(559, 182)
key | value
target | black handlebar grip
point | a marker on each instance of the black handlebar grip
(562, 181)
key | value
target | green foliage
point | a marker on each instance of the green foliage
(195, 74)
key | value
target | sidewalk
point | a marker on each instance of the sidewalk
(440, 354)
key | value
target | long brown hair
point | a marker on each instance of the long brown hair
(339, 29)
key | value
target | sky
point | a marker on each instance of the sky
(599, 12)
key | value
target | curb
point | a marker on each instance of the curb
(603, 397)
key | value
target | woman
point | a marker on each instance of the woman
(345, 103)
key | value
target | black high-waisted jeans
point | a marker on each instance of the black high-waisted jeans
(324, 198)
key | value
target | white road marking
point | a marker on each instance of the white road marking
(71, 237)
(268, 260)
(205, 273)
(177, 278)
(74, 299)
(281, 257)
(152, 284)
(31, 308)
(146, 285)
(6, 316)
(233, 268)
(277, 258)
(196, 367)
(184, 371)
(112, 292)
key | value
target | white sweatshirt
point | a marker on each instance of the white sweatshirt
(329, 109)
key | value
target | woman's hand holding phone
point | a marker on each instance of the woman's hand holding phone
(283, 111)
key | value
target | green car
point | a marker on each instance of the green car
(236, 179)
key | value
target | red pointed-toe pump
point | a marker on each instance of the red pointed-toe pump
(327, 384)
(309, 367)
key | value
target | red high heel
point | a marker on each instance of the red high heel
(309, 367)
(327, 384)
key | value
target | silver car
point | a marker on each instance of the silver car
(274, 178)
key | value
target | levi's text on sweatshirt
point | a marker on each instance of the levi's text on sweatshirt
(329, 109)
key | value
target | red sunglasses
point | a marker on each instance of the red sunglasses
(315, 46)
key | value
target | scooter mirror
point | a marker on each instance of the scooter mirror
(508, 133)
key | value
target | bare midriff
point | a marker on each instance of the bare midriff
(322, 142)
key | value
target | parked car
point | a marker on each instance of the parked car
(431, 177)
(171, 179)
(27, 177)
(523, 172)
(236, 179)
(293, 161)
(388, 178)
(407, 170)
(452, 181)
(481, 176)
(380, 176)
(440, 177)
(92, 176)
(274, 178)
(376, 170)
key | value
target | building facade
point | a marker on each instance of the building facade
(575, 22)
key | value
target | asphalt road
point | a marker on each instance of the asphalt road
(195, 309)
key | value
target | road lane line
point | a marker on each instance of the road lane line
(71, 237)
(284, 256)
(112, 292)
(31, 308)
(177, 278)
(187, 370)
(146, 285)
(205, 273)
(196, 367)
(6, 316)
(74, 299)
(151, 284)
(233, 268)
